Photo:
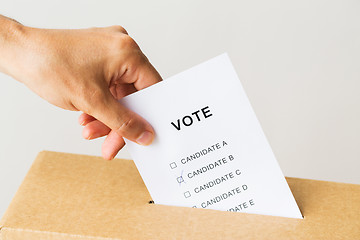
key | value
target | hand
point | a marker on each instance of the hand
(84, 70)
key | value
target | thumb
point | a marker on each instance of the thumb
(122, 120)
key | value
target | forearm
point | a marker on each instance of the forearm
(11, 44)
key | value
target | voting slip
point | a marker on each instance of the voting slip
(209, 150)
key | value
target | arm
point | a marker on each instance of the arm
(82, 70)
(10, 33)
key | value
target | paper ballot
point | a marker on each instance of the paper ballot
(209, 150)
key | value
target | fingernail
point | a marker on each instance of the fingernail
(145, 138)
(83, 123)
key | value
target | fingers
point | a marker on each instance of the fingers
(109, 116)
(120, 90)
(120, 119)
(95, 129)
(85, 119)
(147, 77)
(112, 145)
(138, 72)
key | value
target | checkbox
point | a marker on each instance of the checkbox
(173, 165)
(180, 179)
(187, 194)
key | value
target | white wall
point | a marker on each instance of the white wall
(299, 62)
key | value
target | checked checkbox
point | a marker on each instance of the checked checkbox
(180, 179)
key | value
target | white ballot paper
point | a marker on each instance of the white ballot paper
(209, 150)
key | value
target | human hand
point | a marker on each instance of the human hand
(85, 70)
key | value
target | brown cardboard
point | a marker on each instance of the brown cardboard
(68, 196)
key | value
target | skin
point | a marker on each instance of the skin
(83, 70)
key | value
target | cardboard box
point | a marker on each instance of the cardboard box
(67, 196)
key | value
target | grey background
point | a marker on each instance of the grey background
(298, 61)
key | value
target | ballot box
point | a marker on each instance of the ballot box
(68, 196)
